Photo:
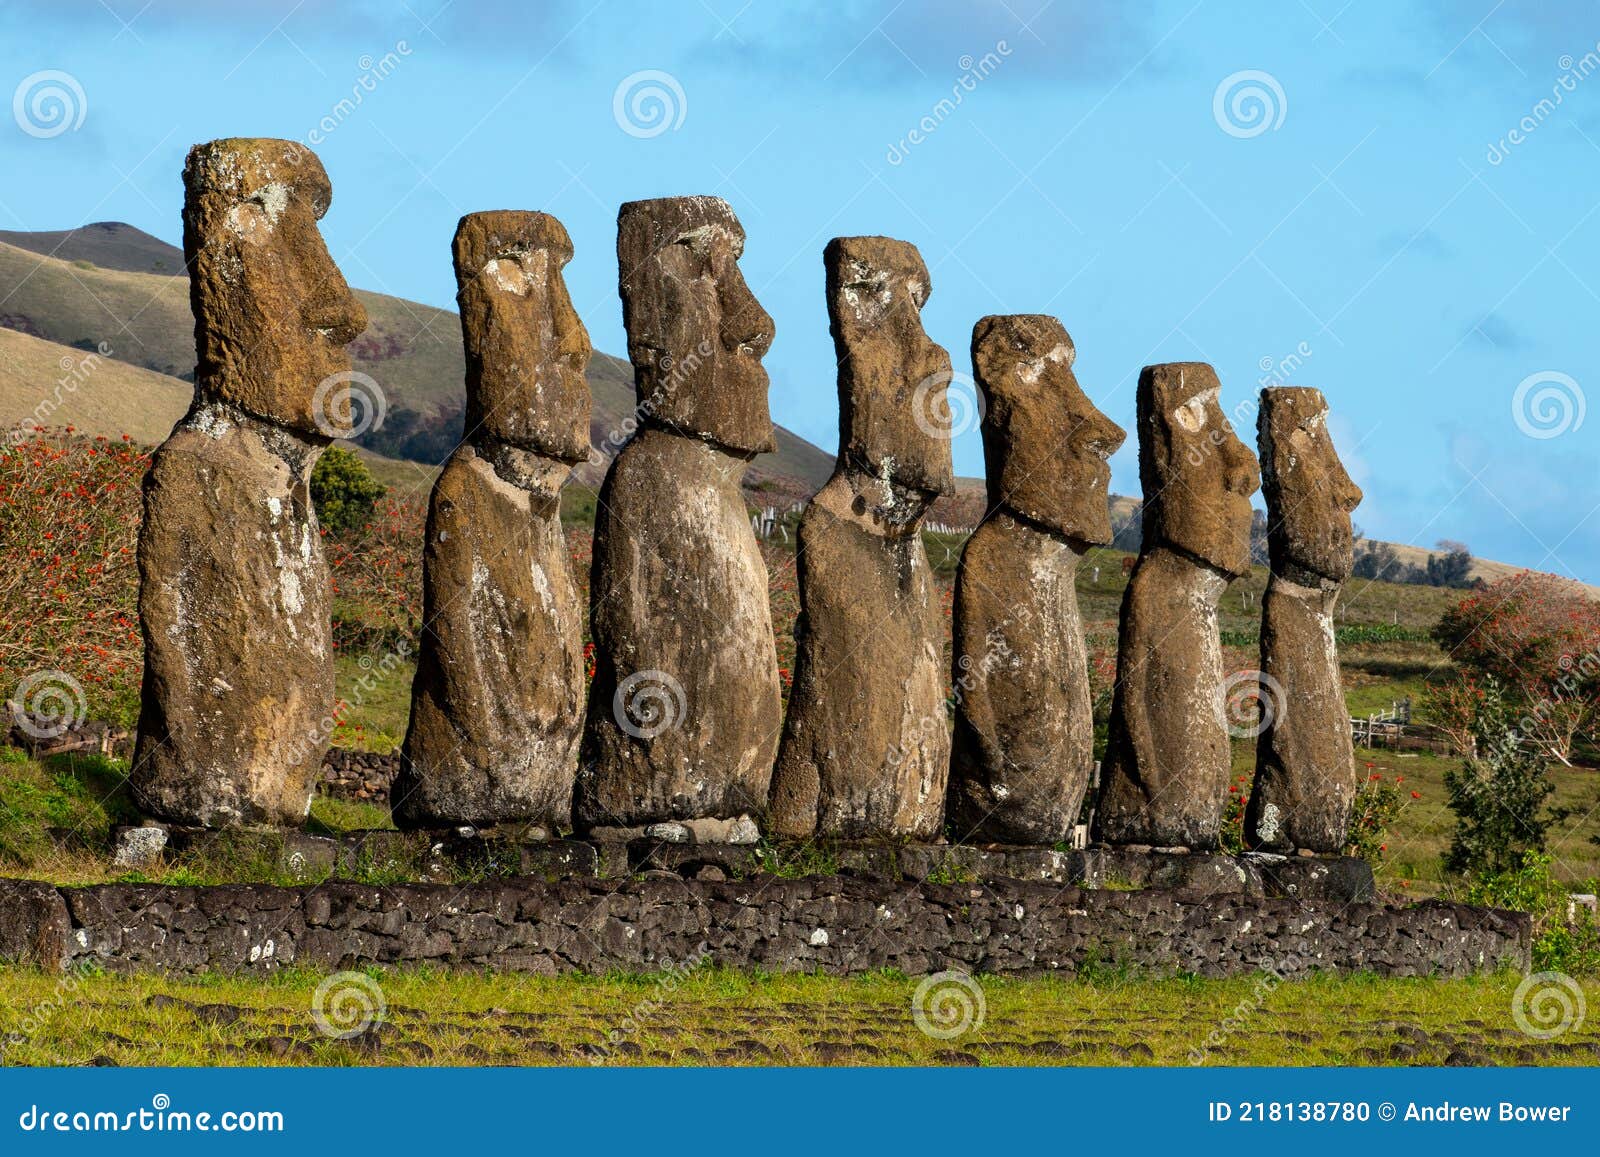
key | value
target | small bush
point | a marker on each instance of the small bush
(1372, 813)
(1498, 795)
(343, 491)
(1573, 948)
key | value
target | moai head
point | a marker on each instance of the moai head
(696, 334)
(1196, 474)
(1044, 443)
(893, 416)
(1309, 495)
(526, 348)
(272, 312)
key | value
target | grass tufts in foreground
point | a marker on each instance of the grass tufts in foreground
(708, 1016)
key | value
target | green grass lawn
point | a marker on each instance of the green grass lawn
(708, 1016)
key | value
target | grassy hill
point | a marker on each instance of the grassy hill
(112, 283)
(115, 284)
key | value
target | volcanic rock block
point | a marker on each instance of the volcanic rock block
(497, 703)
(866, 747)
(1305, 766)
(272, 311)
(1167, 759)
(684, 708)
(1023, 746)
(234, 600)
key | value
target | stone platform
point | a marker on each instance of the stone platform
(462, 853)
(835, 924)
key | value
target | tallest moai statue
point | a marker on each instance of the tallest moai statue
(866, 749)
(684, 708)
(233, 597)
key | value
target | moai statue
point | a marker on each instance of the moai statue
(1167, 758)
(234, 593)
(1024, 733)
(866, 746)
(684, 708)
(497, 705)
(1305, 764)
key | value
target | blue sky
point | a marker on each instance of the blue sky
(1444, 299)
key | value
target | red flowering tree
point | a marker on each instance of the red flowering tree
(1539, 636)
(69, 584)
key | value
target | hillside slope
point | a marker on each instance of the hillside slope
(100, 284)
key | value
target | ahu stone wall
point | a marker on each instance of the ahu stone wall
(834, 924)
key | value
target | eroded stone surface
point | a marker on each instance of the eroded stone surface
(866, 746)
(1306, 776)
(233, 601)
(1167, 758)
(497, 704)
(526, 347)
(684, 708)
(602, 926)
(1023, 745)
(272, 311)
(696, 334)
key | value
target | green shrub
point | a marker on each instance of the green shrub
(343, 490)
(1573, 948)
(1498, 795)
(1372, 813)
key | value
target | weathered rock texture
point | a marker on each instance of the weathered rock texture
(866, 746)
(1023, 746)
(497, 704)
(600, 926)
(684, 708)
(1305, 766)
(233, 600)
(1167, 758)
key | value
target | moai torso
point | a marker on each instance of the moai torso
(497, 704)
(1167, 757)
(1024, 732)
(234, 599)
(684, 709)
(1305, 764)
(866, 744)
